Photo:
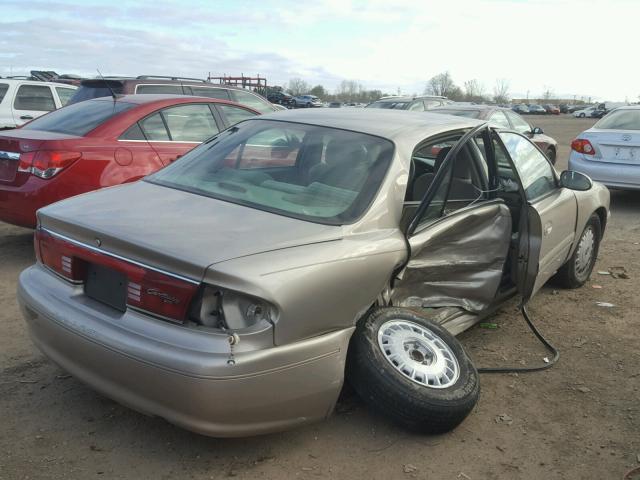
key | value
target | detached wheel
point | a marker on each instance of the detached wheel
(551, 155)
(412, 370)
(577, 270)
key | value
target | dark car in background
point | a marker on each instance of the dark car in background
(280, 98)
(100, 143)
(551, 109)
(150, 84)
(537, 109)
(520, 108)
(507, 119)
(418, 104)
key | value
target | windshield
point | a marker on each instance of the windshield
(626, 119)
(458, 113)
(79, 118)
(314, 173)
(390, 105)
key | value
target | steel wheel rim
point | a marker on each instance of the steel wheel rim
(585, 253)
(418, 354)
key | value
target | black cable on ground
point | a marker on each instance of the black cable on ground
(544, 341)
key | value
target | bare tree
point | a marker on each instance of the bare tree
(349, 91)
(501, 91)
(297, 86)
(473, 91)
(548, 93)
(441, 85)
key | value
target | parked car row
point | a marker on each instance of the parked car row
(534, 109)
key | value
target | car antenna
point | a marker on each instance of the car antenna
(113, 94)
(182, 87)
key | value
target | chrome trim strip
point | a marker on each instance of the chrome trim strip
(119, 257)
(158, 141)
(9, 156)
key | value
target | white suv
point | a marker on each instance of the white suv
(24, 100)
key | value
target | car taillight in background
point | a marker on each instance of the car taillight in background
(46, 163)
(157, 293)
(582, 145)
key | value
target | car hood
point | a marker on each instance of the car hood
(177, 231)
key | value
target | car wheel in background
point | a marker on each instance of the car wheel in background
(577, 270)
(412, 371)
(551, 155)
(582, 115)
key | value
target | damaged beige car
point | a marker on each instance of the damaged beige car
(229, 292)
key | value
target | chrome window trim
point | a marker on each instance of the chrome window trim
(119, 257)
(156, 141)
(10, 156)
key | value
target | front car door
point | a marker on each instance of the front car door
(551, 211)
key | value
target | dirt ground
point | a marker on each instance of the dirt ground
(579, 420)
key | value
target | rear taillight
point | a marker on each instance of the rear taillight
(46, 163)
(155, 292)
(582, 145)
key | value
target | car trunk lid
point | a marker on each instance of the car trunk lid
(179, 232)
(615, 146)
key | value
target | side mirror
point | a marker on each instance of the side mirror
(575, 181)
(537, 131)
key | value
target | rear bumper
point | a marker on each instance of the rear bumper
(613, 175)
(18, 204)
(178, 373)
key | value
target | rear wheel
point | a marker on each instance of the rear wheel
(582, 115)
(577, 270)
(412, 371)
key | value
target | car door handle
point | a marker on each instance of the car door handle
(26, 117)
(548, 227)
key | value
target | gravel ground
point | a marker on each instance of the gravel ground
(579, 420)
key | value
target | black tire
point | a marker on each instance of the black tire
(414, 406)
(570, 275)
(551, 155)
(309, 105)
(582, 115)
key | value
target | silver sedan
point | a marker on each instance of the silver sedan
(225, 292)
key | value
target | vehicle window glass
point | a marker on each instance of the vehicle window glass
(79, 118)
(65, 94)
(273, 147)
(190, 123)
(459, 113)
(133, 133)
(390, 105)
(535, 171)
(498, 119)
(154, 128)
(507, 180)
(253, 101)
(234, 114)
(96, 90)
(626, 119)
(34, 97)
(519, 124)
(3, 90)
(417, 106)
(211, 92)
(428, 104)
(334, 184)
(168, 89)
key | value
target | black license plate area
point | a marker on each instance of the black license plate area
(107, 286)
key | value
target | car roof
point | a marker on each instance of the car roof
(396, 125)
(160, 81)
(35, 82)
(453, 106)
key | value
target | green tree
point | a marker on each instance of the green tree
(319, 91)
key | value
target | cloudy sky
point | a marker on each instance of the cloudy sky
(584, 48)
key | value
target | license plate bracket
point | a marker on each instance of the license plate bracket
(107, 286)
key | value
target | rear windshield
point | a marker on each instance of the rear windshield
(80, 118)
(458, 113)
(390, 105)
(314, 173)
(620, 120)
(96, 89)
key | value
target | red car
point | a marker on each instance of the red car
(99, 143)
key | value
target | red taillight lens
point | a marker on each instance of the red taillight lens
(46, 163)
(582, 145)
(154, 292)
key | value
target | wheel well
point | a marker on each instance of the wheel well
(602, 215)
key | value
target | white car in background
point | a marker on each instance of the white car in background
(24, 100)
(585, 112)
(609, 152)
